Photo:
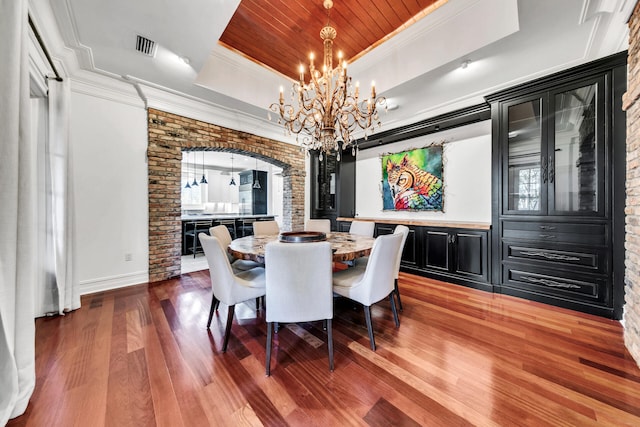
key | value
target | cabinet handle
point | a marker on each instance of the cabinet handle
(547, 227)
(551, 256)
(547, 236)
(552, 171)
(452, 238)
(550, 283)
(543, 165)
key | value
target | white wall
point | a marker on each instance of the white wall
(467, 176)
(109, 143)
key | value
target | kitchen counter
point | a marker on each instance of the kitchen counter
(201, 217)
(235, 222)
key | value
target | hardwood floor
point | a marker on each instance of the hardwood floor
(143, 356)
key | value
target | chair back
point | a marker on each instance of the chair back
(221, 232)
(222, 278)
(363, 228)
(298, 282)
(404, 231)
(378, 279)
(265, 228)
(321, 225)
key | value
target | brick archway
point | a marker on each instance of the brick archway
(170, 134)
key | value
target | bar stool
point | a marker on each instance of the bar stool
(192, 229)
(246, 226)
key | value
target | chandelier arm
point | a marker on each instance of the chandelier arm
(328, 107)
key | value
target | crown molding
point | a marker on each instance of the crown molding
(184, 105)
(100, 86)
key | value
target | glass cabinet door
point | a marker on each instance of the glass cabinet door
(575, 162)
(524, 165)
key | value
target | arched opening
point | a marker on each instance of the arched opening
(221, 187)
(170, 134)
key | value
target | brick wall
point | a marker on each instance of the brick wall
(632, 240)
(169, 135)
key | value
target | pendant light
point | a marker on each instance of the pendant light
(195, 181)
(203, 180)
(187, 164)
(233, 181)
(256, 183)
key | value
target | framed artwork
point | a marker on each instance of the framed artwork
(412, 180)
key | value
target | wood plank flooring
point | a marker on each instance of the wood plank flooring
(143, 356)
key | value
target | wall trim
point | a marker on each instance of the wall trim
(102, 284)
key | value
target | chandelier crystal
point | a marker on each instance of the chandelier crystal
(328, 109)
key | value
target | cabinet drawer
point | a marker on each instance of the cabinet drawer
(561, 284)
(588, 234)
(592, 260)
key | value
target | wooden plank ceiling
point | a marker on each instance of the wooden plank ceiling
(280, 34)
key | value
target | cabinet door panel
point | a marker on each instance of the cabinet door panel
(437, 250)
(410, 252)
(344, 226)
(384, 229)
(576, 159)
(469, 253)
(525, 170)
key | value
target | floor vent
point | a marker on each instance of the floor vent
(146, 46)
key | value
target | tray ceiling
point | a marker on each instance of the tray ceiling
(281, 34)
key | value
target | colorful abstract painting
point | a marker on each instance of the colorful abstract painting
(412, 180)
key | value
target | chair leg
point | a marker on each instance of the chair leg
(269, 338)
(330, 343)
(195, 242)
(367, 318)
(214, 306)
(393, 309)
(397, 291)
(227, 330)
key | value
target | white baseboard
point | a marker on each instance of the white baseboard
(114, 282)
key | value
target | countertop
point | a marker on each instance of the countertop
(196, 217)
(424, 223)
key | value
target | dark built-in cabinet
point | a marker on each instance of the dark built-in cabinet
(452, 254)
(558, 194)
(558, 188)
(457, 254)
(333, 186)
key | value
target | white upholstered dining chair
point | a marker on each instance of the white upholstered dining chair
(265, 228)
(362, 261)
(321, 225)
(227, 287)
(221, 232)
(298, 286)
(404, 231)
(363, 228)
(374, 282)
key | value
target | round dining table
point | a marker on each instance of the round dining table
(345, 246)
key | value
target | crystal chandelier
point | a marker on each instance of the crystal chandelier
(329, 108)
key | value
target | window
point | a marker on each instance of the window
(528, 184)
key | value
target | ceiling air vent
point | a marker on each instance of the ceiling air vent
(146, 46)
